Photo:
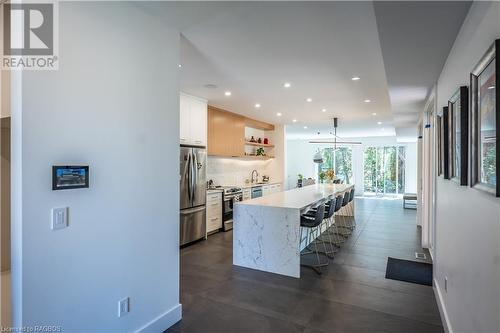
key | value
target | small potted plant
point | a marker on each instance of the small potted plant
(300, 178)
(322, 176)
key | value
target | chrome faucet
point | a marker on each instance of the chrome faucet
(256, 179)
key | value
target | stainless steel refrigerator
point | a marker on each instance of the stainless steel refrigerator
(193, 162)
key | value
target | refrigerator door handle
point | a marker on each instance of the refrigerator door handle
(192, 210)
(189, 180)
(195, 175)
(192, 178)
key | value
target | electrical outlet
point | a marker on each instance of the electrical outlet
(446, 284)
(123, 306)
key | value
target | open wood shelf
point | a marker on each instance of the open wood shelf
(248, 143)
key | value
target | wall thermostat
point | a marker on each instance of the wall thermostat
(70, 176)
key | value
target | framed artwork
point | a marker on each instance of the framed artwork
(69, 177)
(439, 133)
(446, 144)
(484, 116)
(458, 113)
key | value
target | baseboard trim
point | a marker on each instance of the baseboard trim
(163, 321)
(442, 308)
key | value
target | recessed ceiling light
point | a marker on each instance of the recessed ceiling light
(294, 120)
(180, 65)
(355, 78)
(287, 85)
(305, 127)
(379, 123)
(323, 110)
(278, 114)
(227, 93)
(491, 87)
(257, 105)
(374, 113)
(309, 99)
(367, 101)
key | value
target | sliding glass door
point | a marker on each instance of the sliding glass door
(384, 170)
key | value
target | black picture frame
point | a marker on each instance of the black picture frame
(439, 137)
(489, 58)
(446, 145)
(458, 108)
(66, 177)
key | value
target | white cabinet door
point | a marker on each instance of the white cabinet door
(266, 189)
(214, 212)
(247, 193)
(185, 132)
(193, 120)
(198, 116)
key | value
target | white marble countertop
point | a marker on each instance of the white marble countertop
(298, 198)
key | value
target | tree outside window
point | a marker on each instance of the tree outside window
(384, 170)
(340, 160)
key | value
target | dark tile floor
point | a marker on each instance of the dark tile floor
(351, 296)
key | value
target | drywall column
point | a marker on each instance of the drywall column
(113, 105)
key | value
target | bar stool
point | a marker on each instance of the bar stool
(328, 221)
(335, 226)
(344, 224)
(311, 222)
(351, 208)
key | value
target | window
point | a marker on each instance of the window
(340, 160)
(384, 170)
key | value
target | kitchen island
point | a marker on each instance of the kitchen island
(266, 234)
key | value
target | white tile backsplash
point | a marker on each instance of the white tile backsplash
(234, 171)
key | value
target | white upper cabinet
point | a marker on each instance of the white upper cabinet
(193, 120)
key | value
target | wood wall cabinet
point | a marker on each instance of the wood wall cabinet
(226, 133)
(193, 120)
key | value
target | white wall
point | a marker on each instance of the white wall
(234, 171)
(468, 220)
(299, 155)
(114, 105)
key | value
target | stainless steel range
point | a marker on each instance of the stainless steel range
(230, 196)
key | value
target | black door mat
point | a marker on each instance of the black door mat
(409, 271)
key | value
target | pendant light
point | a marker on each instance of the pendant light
(334, 141)
(318, 158)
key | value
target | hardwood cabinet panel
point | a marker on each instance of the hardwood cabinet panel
(226, 133)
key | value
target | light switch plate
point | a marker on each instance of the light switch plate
(123, 306)
(59, 218)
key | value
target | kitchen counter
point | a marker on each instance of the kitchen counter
(253, 185)
(298, 198)
(215, 190)
(266, 230)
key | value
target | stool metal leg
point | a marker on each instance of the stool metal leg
(315, 267)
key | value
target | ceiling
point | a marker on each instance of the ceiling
(415, 37)
(253, 48)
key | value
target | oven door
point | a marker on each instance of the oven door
(227, 208)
